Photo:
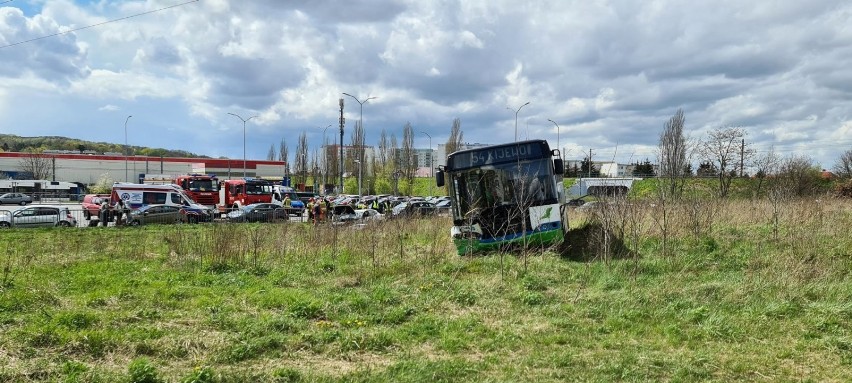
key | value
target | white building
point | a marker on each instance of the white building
(88, 169)
(441, 153)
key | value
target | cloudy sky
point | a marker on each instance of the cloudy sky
(610, 73)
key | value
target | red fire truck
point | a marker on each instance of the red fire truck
(203, 188)
(236, 193)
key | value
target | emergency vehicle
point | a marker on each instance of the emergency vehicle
(236, 193)
(138, 195)
(203, 188)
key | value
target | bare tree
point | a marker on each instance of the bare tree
(383, 150)
(302, 158)
(799, 175)
(284, 155)
(394, 153)
(727, 149)
(674, 153)
(843, 166)
(270, 156)
(37, 165)
(454, 142)
(765, 165)
(357, 144)
(409, 165)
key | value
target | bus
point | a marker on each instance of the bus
(44, 190)
(504, 195)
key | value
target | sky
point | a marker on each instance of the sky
(609, 73)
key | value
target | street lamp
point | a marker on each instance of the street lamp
(361, 112)
(126, 179)
(431, 161)
(244, 120)
(359, 178)
(516, 118)
(557, 132)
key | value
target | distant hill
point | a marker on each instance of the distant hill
(12, 143)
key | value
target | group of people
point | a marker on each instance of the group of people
(107, 212)
(318, 209)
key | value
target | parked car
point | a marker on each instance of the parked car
(92, 203)
(342, 214)
(15, 199)
(38, 216)
(444, 206)
(258, 212)
(415, 209)
(163, 214)
(366, 215)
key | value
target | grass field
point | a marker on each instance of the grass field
(290, 302)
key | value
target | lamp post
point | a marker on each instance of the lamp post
(431, 162)
(244, 120)
(516, 117)
(361, 111)
(359, 178)
(557, 132)
(126, 179)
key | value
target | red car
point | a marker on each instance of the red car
(92, 204)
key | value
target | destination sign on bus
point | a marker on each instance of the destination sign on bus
(498, 154)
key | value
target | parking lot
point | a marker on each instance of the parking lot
(76, 211)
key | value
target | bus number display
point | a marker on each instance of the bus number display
(495, 155)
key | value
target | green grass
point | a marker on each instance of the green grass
(289, 303)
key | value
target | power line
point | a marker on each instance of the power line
(96, 25)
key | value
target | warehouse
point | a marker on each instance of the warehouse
(89, 168)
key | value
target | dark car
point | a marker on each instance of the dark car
(15, 199)
(258, 212)
(444, 206)
(162, 214)
(415, 209)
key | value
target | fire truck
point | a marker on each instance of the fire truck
(237, 193)
(203, 188)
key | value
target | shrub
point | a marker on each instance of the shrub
(141, 371)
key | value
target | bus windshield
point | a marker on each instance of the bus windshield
(526, 183)
(203, 185)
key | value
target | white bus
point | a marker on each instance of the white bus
(44, 190)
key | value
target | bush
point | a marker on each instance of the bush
(141, 371)
(843, 189)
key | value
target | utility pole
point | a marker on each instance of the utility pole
(590, 163)
(342, 121)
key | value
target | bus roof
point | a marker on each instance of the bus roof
(502, 153)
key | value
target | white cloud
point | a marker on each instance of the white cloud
(606, 71)
(109, 108)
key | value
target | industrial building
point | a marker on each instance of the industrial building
(89, 168)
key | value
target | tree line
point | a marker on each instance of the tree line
(391, 169)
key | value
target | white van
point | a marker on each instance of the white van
(138, 195)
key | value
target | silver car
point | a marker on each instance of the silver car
(15, 199)
(38, 216)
